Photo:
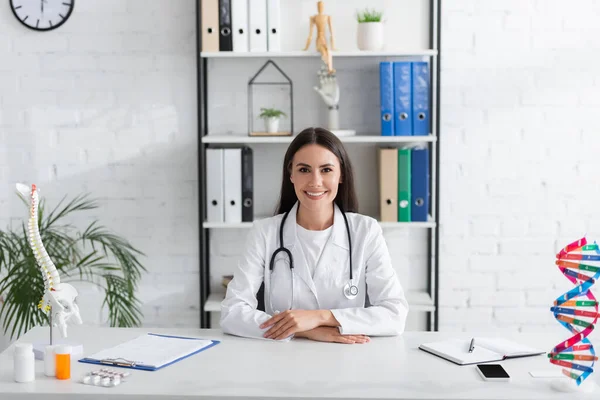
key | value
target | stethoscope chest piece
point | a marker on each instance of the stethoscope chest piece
(350, 291)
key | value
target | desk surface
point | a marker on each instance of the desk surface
(240, 368)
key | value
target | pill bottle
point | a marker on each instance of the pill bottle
(62, 354)
(49, 361)
(24, 363)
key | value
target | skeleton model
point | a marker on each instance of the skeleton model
(330, 93)
(59, 298)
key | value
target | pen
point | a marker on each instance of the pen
(472, 345)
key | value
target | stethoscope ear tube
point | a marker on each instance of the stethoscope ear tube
(349, 245)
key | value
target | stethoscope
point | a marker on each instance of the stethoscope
(350, 289)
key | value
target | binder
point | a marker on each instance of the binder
(210, 25)
(388, 184)
(247, 185)
(386, 92)
(232, 183)
(150, 352)
(402, 98)
(404, 166)
(257, 11)
(215, 211)
(239, 25)
(420, 184)
(420, 90)
(225, 40)
(273, 25)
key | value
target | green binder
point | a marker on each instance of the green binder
(404, 185)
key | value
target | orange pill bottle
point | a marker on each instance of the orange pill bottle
(62, 354)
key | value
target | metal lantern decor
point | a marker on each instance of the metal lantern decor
(270, 103)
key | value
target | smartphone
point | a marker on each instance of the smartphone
(493, 372)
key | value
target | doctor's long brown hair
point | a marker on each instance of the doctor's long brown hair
(346, 195)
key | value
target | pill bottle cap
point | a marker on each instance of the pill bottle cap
(23, 348)
(62, 349)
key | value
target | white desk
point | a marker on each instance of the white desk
(241, 368)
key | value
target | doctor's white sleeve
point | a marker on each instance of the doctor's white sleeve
(389, 308)
(239, 315)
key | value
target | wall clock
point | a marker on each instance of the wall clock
(42, 15)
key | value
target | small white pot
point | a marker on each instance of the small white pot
(272, 124)
(369, 36)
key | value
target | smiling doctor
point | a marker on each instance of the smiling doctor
(326, 269)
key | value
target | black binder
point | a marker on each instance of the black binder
(225, 37)
(247, 185)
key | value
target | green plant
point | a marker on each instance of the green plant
(94, 255)
(271, 112)
(369, 16)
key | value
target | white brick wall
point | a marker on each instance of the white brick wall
(518, 152)
(107, 104)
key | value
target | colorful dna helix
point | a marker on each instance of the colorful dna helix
(573, 310)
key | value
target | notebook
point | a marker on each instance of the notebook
(485, 350)
(150, 352)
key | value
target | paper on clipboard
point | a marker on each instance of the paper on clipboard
(150, 351)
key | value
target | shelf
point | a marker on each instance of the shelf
(300, 53)
(222, 139)
(238, 225)
(417, 301)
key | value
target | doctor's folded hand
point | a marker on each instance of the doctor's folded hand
(331, 334)
(317, 269)
(294, 321)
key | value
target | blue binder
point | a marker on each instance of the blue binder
(402, 99)
(125, 363)
(420, 92)
(419, 209)
(386, 93)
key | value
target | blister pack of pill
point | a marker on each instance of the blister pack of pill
(104, 377)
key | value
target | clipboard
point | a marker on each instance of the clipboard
(137, 353)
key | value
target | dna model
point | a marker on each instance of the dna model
(577, 310)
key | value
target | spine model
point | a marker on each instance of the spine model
(59, 299)
(47, 267)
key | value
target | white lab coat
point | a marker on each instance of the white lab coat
(383, 315)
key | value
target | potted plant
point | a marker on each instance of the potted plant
(370, 30)
(271, 117)
(94, 255)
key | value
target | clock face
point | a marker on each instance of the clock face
(42, 15)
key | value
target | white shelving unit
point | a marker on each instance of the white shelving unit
(417, 301)
(245, 139)
(300, 53)
(423, 45)
(241, 225)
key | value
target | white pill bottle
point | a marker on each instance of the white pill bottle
(24, 363)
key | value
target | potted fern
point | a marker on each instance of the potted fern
(93, 255)
(271, 117)
(370, 30)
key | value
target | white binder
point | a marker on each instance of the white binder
(273, 25)
(257, 11)
(232, 162)
(214, 186)
(239, 25)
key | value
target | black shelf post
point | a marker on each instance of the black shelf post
(433, 236)
(202, 131)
